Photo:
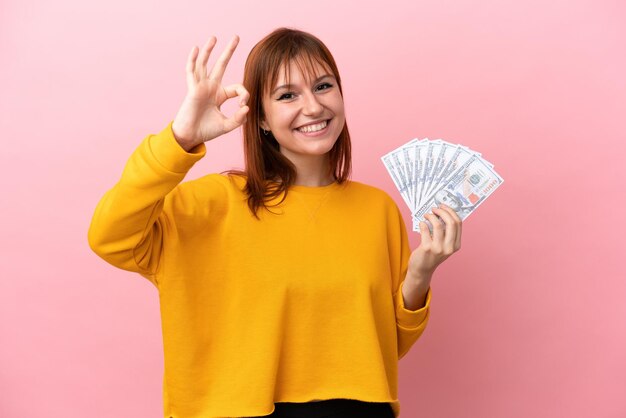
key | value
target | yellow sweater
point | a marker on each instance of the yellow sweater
(303, 305)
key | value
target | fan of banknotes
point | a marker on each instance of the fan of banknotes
(429, 172)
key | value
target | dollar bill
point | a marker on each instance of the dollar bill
(396, 173)
(454, 158)
(428, 172)
(426, 169)
(396, 164)
(466, 189)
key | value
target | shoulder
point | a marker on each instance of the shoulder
(216, 183)
(378, 205)
(379, 202)
(213, 190)
(374, 194)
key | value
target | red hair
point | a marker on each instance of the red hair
(268, 172)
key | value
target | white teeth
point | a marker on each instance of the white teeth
(313, 128)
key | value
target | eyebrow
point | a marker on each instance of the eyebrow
(291, 85)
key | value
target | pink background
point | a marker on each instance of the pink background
(528, 319)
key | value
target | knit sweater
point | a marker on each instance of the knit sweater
(304, 304)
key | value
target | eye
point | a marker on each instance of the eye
(324, 84)
(285, 96)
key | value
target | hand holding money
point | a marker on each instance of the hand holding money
(436, 248)
(428, 173)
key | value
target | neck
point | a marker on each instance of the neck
(318, 181)
(312, 170)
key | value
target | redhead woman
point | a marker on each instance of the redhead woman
(286, 289)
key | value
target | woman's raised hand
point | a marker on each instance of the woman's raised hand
(199, 118)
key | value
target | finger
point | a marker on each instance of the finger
(204, 56)
(438, 229)
(235, 90)
(191, 67)
(237, 119)
(451, 211)
(220, 66)
(425, 232)
(459, 221)
(449, 239)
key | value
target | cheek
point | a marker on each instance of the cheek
(283, 117)
(338, 104)
(274, 114)
(341, 122)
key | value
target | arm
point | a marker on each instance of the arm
(410, 323)
(414, 290)
(432, 251)
(128, 225)
(411, 319)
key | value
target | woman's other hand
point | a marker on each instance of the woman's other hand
(199, 118)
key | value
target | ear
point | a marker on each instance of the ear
(264, 125)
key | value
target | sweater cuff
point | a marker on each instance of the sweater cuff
(407, 318)
(168, 152)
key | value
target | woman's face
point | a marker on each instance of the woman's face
(307, 116)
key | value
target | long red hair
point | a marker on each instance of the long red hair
(269, 173)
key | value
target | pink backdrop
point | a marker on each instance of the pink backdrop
(528, 319)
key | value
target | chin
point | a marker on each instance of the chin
(325, 147)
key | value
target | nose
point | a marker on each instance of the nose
(311, 104)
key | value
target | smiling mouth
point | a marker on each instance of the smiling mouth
(314, 127)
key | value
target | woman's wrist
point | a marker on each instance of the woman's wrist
(185, 144)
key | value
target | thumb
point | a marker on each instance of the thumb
(237, 119)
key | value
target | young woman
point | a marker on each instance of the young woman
(285, 289)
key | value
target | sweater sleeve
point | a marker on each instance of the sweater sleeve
(410, 324)
(127, 227)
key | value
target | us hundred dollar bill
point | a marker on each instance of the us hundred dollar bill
(466, 189)
(397, 173)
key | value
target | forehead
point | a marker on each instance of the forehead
(297, 69)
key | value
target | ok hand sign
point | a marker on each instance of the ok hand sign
(199, 118)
